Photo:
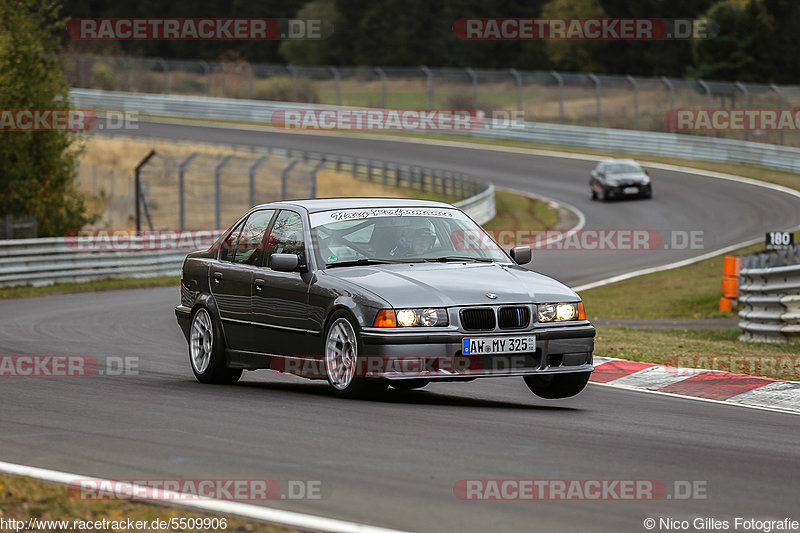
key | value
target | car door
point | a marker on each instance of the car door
(231, 277)
(281, 320)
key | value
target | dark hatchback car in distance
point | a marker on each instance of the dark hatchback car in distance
(620, 178)
(371, 292)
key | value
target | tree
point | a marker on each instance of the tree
(37, 168)
(317, 52)
(744, 49)
(587, 56)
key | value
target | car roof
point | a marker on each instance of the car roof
(607, 161)
(316, 205)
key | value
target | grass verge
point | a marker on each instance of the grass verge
(693, 348)
(22, 498)
(692, 291)
(89, 286)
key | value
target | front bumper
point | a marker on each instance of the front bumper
(438, 356)
(619, 190)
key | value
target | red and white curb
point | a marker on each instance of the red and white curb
(698, 383)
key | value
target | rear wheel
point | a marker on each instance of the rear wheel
(207, 350)
(554, 386)
(343, 359)
(409, 384)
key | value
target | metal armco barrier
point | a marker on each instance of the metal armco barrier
(769, 288)
(697, 147)
(73, 259)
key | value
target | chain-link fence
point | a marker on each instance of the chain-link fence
(558, 97)
(204, 190)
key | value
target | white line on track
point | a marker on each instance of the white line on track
(275, 516)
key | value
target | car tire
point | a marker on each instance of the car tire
(555, 386)
(594, 194)
(207, 350)
(605, 194)
(409, 384)
(343, 349)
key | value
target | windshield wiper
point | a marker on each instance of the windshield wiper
(449, 258)
(365, 261)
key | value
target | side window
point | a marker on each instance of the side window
(249, 242)
(286, 237)
(228, 246)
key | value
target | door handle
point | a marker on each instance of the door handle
(259, 283)
(217, 276)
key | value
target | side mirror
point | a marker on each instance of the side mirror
(647, 172)
(521, 254)
(284, 262)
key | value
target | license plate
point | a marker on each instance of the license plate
(630, 190)
(493, 345)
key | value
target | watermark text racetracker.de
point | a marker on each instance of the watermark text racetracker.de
(625, 239)
(67, 366)
(578, 490)
(66, 120)
(196, 489)
(583, 29)
(198, 29)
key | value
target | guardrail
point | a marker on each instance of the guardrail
(73, 259)
(769, 288)
(697, 147)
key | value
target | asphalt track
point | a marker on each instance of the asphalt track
(394, 462)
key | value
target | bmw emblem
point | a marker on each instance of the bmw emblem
(491, 296)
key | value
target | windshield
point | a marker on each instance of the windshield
(400, 235)
(623, 168)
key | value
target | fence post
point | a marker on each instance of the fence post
(338, 77)
(429, 75)
(598, 95)
(182, 189)
(207, 71)
(746, 93)
(382, 76)
(250, 80)
(635, 101)
(518, 79)
(252, 173)
(560, 80)
(780, 95)
(137, 189)
(82, 79)
(671, 88)
(285, 176)
(293, 73)
(313, 188)
(474, 78)
(165, 67)
(218, 191)
(126, 67)
(707, 89)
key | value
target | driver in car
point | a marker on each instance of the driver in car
(415, 240)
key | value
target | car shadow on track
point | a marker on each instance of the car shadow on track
(392, 396)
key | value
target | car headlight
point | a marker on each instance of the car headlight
(407, 318)
(561, 312)
(645, 180)
(612, 182)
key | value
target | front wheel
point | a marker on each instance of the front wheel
(343, 360)
(554, 386)
(207, 351)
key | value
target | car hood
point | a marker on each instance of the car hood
(630, 177)
(454, 284)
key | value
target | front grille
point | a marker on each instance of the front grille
(513, 317)
(481, 318)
